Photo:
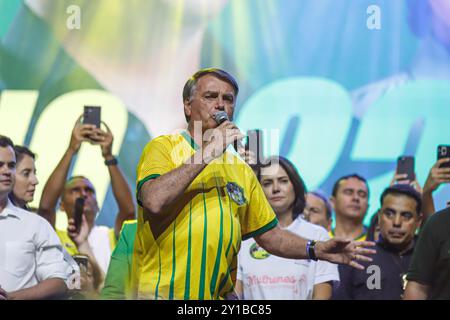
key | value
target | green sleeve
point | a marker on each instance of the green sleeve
(118, 274)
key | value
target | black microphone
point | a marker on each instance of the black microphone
(221, 117)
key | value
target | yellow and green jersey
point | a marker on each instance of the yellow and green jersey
(361, 237)
(71, 247)
(191, 252)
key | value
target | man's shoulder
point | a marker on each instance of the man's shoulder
(439, 217)
(30, 217)
(438, 221)
(129, 227)
(166, 139)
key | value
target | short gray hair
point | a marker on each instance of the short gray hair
(191, 84)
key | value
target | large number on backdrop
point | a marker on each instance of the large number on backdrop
(16, 109)
(54, 128)
(312, 116)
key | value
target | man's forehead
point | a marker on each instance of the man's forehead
(399, 202)
(353, 183)
(79, 182)
(212, 83)
(312, 197)
(7, 154)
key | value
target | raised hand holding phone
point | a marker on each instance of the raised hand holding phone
(440, 172)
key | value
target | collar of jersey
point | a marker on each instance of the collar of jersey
(189, 139)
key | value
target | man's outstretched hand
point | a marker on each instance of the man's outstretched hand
(344, 251)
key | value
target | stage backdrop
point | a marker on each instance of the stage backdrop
(338, 86)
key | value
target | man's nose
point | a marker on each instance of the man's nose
(220, 103)
(5, 170)
(397, 220)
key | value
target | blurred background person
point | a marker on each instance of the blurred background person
(385, 277)
(97, 242)
(437, 176)
(350, 203)
(25, 178)
(264, 276)
(32, 259)
(350, 200)
(318, 209)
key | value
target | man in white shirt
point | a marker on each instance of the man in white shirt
(32, 264)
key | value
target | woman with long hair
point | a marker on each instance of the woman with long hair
(25, 178)
(264, 276)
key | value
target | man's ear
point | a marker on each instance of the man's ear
(379, 213)
(420, 220)
(187, 109)
(333, 204)
(61, 206)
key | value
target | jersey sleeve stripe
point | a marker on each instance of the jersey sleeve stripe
(190, 140)
(261, 230)
(141, 183)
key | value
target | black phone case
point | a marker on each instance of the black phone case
(82, 261)
(443, 152)
(406, 165)
(78, 212)
(92, 115)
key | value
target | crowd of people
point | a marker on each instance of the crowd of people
(211, 223)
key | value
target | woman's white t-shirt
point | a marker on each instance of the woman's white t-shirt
(268, 277)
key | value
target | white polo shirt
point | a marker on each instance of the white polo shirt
(268, 277)
(30, 250)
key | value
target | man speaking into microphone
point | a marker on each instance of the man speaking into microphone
(197, 201)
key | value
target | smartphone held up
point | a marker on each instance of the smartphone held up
(92, 115)
(442, 153)
(405, 165)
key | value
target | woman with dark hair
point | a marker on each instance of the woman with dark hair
(262, 276)
(25, 178)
